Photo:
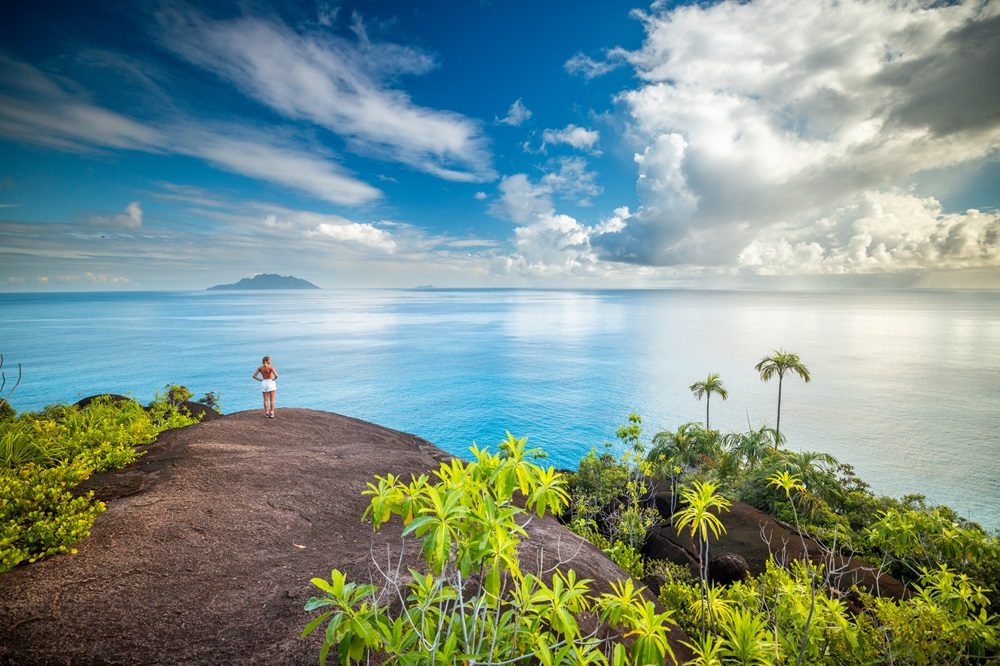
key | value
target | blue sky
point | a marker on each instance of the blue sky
(769, 143)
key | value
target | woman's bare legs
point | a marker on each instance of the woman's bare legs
(264, 393)
(270, 394)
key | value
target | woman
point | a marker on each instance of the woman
(267, 378)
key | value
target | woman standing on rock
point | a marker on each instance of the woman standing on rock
(268, 386)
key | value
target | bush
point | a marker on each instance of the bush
(41, 514)
(44, 456)
(473, 603)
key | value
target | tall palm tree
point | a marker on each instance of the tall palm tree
(706, 388)
(778, 364)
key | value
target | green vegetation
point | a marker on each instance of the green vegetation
(795, 612)
(473, 603)
(45, 455)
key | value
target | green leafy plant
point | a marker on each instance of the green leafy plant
(474, 603)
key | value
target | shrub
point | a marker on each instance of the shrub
(41, 514)
(473, 603)
(44, 456)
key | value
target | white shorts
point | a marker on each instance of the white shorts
(268, 385)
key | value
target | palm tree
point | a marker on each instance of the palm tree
(778, 364)
(753, 446)
(689, 446)
(706, 388)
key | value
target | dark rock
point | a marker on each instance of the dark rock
(727, 569)
(113, 396)
(756, 537)
(207, 557)
(200, 411)
(662, 544)
(654, 583)
(663, 500)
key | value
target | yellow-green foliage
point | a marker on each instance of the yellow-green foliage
(44, 456)
(768, 619)
(473, 603)
(41, 515)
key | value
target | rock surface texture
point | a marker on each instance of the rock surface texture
(206, 550)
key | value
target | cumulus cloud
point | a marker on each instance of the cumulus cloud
(344, 86)
(517, 114)
(130, 219)
(353, 232)
(572, 180)
(580, 138)
(745, 146)
(479, 196)
(34, 108)
(548, 243)
(880, 232)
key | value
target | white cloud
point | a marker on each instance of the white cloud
(103, 278)
(258, 157)
(353, 232)
(480, 196)
(547, 243)
(580, 138)
(34, 108)
(880, 232)
(521, 200)
(517, 114)
(130, 219)
(745, 141)
(589, 68)
(340, 85)
(39, 110)
(572, 180)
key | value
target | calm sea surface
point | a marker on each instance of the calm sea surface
(906, 385)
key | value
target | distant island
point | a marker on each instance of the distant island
(268, 281)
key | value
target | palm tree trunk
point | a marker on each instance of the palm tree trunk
(777, 429)
(708, 401)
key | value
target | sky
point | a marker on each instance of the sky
(757, 144)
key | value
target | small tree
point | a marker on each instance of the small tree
(701, 499)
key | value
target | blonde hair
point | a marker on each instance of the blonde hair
(266, 359)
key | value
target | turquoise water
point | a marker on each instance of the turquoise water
(906, 385)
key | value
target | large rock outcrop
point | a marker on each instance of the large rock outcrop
(206, 550)
(751, 537)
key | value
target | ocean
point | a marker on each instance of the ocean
(905, 384)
